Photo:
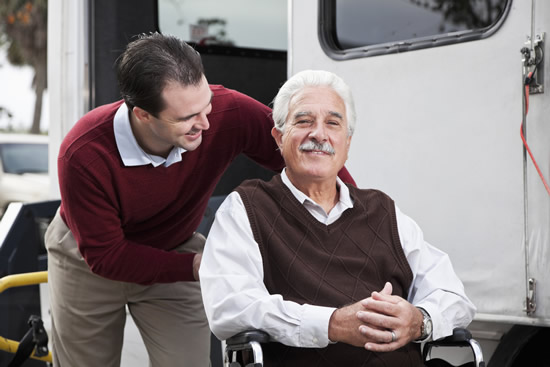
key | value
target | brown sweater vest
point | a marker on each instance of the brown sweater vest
(308, 262)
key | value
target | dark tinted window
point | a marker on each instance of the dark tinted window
(359, 23)
(239, 23)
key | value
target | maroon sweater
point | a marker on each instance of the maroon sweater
(306, 261)
(125, 219)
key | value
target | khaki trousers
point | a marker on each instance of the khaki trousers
(89, 312)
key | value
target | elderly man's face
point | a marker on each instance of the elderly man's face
(315, 142)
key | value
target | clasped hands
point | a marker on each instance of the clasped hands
(380, 323)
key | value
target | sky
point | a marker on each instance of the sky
(17, 96)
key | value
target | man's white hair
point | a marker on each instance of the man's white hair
(311, 78)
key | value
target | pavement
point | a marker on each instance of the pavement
(134, 353)
(133, 350)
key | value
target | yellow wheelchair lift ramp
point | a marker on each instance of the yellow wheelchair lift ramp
(20, 280)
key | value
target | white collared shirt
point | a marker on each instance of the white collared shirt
(129, 149)
(236, 299)
(315, 209)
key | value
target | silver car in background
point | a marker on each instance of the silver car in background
(23, 169)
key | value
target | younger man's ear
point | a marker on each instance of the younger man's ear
(141, 114)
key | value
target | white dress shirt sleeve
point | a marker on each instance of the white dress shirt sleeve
(435, 287)
(235, 297)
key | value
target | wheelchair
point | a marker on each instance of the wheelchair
(251, 341)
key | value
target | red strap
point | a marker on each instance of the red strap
(525, 141)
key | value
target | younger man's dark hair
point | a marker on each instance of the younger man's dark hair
(152, 61)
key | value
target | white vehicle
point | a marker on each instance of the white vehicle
(23, 169)
(439, 130)
(440, 97)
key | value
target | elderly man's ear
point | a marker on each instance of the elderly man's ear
(278, 136)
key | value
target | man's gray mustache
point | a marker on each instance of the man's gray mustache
(324, 147)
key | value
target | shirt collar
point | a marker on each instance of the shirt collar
(130, 151)
(344, 201)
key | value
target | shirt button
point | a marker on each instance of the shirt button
(315, 340)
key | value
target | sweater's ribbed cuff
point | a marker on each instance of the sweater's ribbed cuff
(185, 266)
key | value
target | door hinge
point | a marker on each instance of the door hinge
(530, 303)
(533, 61)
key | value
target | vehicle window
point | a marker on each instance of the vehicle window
(364, 23)
(24, 158)
(237, 23)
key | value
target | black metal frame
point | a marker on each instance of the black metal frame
(22, 250)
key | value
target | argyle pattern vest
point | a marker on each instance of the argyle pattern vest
(309, 262)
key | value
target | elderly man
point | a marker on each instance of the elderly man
(338, 276)
(135, 177)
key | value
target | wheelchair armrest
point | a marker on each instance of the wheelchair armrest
(461, 338)
(246, 340)
(247, 337)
